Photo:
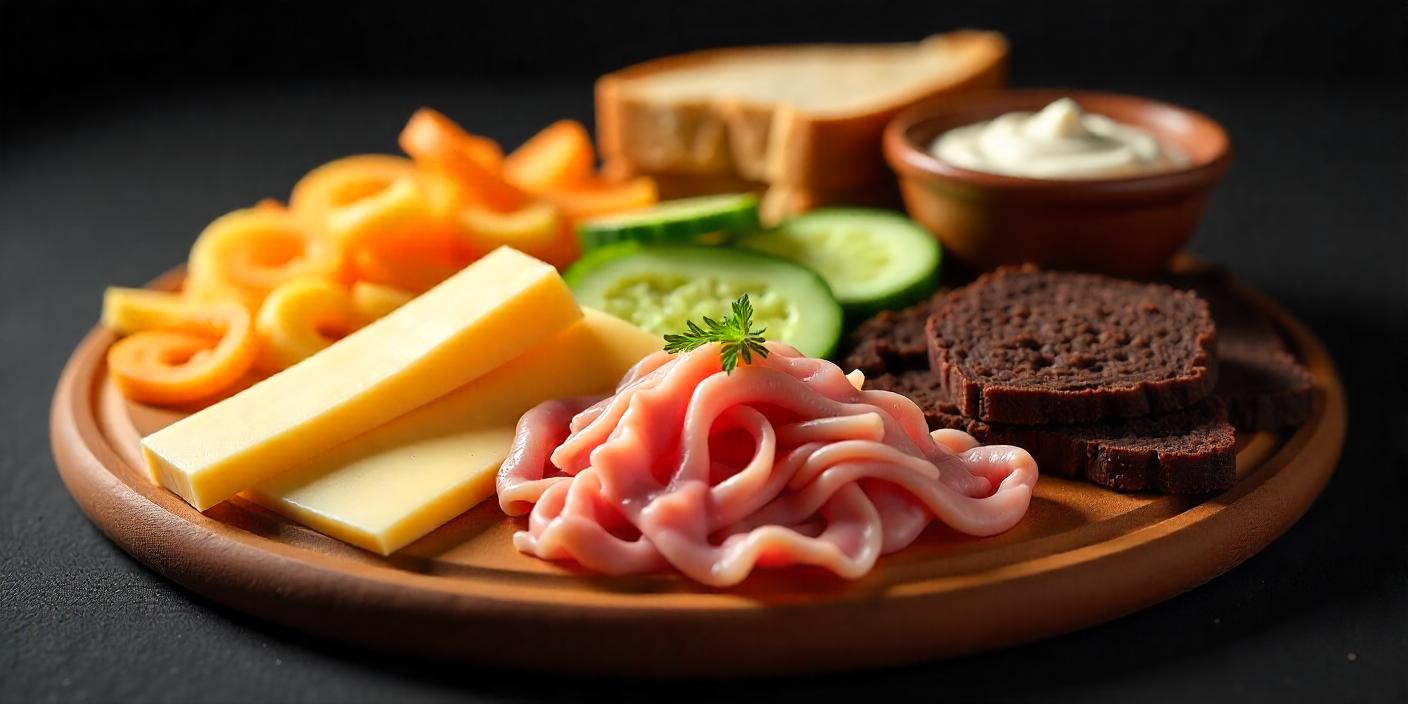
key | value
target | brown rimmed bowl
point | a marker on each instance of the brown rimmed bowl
(1127, 226)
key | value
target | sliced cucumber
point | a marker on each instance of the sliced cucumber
(661, 287)
(872, 259)
(702, 220)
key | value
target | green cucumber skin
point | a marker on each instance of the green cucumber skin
(590, 261)
(903, 295)
(917, 291)
(718, 222)
(592, 241)
(823, 315)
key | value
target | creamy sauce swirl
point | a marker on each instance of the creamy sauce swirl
(1062, 141)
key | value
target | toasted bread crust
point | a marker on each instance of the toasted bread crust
(1263, 386)
(769, 142)
(1189, 451)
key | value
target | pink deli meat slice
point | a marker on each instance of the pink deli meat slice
(782, 462)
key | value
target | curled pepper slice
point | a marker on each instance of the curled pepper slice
(397, 237)
(372, 301)
(560, 156)
(247, 253)
(600, 198)
(473, 163)
(537, 229)
(269, 205)
(175, 351)
(412, 265)
(300, 318)
(342, 182)
(402, 211)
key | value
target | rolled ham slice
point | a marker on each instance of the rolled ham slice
(783, 462)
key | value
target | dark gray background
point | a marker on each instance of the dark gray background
(126, 130)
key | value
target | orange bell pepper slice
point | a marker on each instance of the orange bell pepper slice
(558, 157)
(409, 266)
(600, 198)
(430, 130)
(474, 163)
(372, 302)
(247, 253)
(175, 351)
(398, 237)
(300, 318)
(270, 205)
(345, 181)
(537, 229)
(404, 210)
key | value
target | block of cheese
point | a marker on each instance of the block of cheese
(478, 319)
(388, 487)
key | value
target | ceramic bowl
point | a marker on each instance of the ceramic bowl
(1127, 226)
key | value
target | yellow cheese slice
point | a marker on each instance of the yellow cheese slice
(478, 319)
(383, 490)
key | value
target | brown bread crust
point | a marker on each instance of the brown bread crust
(767, 142)
(1029, 347)
(1262, 385)
(892, 340)
(1190, 451)
(1264, 388)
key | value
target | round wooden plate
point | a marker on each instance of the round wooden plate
(1082, 555)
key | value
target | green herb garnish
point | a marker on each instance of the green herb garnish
(735, 335)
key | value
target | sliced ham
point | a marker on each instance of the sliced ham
(783, 462)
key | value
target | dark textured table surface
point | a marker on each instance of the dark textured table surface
(112, 190)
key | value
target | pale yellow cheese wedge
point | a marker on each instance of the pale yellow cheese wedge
(478, 319)
(383, 490)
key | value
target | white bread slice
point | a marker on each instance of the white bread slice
(681, 185)
(809, 116)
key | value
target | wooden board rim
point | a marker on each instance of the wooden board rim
(710, 633)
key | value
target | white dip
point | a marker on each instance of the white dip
(1062, 141)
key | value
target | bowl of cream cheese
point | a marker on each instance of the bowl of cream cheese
(1064, 179)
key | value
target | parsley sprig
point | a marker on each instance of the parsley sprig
(735, 335)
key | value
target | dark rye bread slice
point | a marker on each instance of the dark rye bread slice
(892, 340)
(1260, 383)
(1190, 451)
(1031, 347)
(1263, 386)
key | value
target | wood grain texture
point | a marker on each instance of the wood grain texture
(1082, 556)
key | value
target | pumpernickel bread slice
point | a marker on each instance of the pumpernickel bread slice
(1263, 386)
(1190, 451)
(892, 340)
(1030, 347)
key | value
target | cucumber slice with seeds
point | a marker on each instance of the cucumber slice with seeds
(661, 287)
(872, 259)
(703, 220)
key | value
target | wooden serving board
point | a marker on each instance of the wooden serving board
(1083, 555)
